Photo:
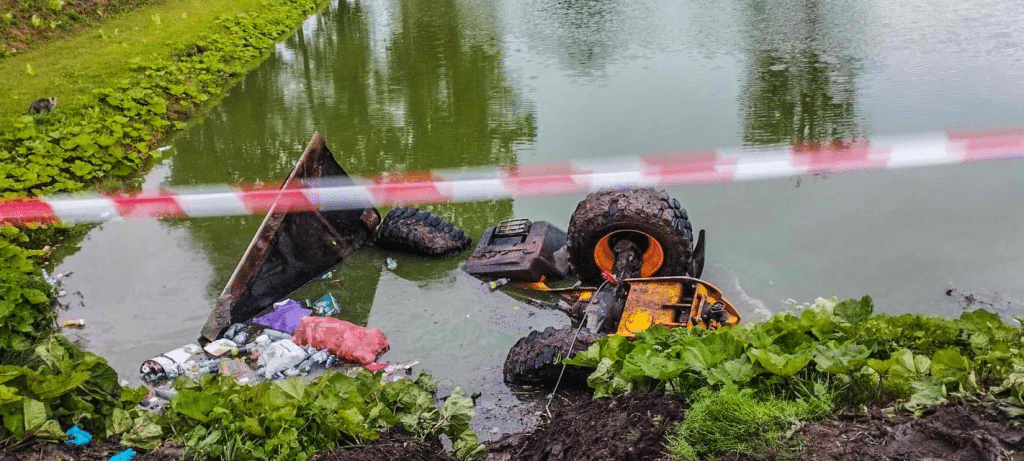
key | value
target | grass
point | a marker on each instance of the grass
(73, 67)
(735, 421)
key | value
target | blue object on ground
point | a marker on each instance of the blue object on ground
(286, 316)
(126, 455)
(326, 306)
(78, 436)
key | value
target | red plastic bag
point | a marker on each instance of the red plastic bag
(343, 339)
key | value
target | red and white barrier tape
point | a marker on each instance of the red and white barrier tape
(533, 180)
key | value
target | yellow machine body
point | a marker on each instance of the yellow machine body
(668, 301)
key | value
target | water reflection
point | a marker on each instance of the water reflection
(430, 92)
(800, 84)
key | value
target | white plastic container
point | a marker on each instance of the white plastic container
(220, 347)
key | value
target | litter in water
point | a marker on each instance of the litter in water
(343, 339)
(285, 316)
(220, 347)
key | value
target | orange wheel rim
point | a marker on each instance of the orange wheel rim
(653, 258)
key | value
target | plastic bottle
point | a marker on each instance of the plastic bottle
(276, 335)
(498, 283)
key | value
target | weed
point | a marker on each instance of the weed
(735, 421)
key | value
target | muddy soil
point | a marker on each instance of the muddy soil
(95, 450)
(624, 427)
(633, 427)
(951, 433)
(393, 445)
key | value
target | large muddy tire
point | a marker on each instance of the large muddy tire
(536, 359)
(606, 213)
(416, 231)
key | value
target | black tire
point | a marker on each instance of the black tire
(645, 210)
(416, 231)
(536, 359)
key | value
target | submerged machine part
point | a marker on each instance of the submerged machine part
(640, 243)
(420, 232)
(289, 249)
(520, 250)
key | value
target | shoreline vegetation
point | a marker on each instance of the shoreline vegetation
(125, 83)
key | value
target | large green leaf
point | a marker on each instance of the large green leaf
(834, 358)
(737, 371)
(194, 404)
(780, 364)
(293, 387)
(644, 361)
(144, 434)
(35, 414)
(709, 350)
(853, 311)
(906, 364)
(949, 365)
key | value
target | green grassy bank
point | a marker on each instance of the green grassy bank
(72, 68)
(29, 24)
(123, 87)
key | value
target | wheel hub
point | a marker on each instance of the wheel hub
(653, 257)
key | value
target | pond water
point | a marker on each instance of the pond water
(410, 85)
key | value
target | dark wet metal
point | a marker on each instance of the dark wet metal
(290, 249)
(520, 250)
(697, 259)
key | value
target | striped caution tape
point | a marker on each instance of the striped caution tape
(531, 180)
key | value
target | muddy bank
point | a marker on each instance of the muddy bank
(95, 450)
(634, 426)
(955, 433)
(395, 444)
(624, 427)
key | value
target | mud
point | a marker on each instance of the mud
(395, 444)
(95, 450)
(633, 427)
(624, 427)
(952, 433)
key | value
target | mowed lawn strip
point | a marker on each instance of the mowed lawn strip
(73, 67)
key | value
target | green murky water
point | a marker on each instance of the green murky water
(409, 85)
